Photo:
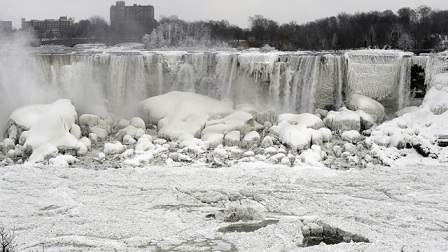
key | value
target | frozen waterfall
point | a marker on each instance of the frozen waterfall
(286, 82)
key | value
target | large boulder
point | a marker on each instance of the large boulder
(296, 137)
(306, 119)
(49, 129)
(90, 123)
(343, 120)
(182, 115)
(368, 105)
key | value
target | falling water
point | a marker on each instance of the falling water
(286, 82)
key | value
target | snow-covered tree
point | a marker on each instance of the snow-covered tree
(173, 32)
(406, 42)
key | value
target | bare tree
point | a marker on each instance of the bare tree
(6, 240)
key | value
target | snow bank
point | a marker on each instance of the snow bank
(421, 128)
(440, 80)
(436, 99)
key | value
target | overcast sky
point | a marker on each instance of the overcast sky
(235, 11)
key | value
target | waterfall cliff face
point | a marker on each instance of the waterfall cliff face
(286, 82)
(381, 76)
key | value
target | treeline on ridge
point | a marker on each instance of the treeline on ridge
(420, 28)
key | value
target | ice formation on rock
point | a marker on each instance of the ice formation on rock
(368, 105)
(48, 129)
(181, 115)
(343, 120)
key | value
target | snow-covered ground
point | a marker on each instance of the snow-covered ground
(399, 208)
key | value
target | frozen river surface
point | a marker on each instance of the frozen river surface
(400, 208)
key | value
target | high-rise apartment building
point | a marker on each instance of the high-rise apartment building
(139, 18)
(47, 26)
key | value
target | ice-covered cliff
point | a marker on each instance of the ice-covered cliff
(286, 82)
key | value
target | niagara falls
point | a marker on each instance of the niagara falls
(184, 133)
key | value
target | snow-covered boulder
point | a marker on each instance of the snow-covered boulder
(380, 140)
(267, 142)
(76, 131)
(100, 157)
(343, 120)
(90, 123)
(13, 132)
(194, 149)
(238, 120)
(113, 148)
(322, 113)
(182, 115)
(131, 131)
(7, 144)
(213, 139)
(127, 154)
(317, 137)
(248, 154)
(143, 144)
(270, 151)
(306, 119)
(138, 123)
(129, 140)
(296, 137)
(352, 136)
(93, 138)
(233, 138)
(268, 116)
(367, 121)
(12, 154)
(368, 105)
(62, 160)
(277, 158)
(86, 142)
(326, 134)
(49, 129)
(312, 157)
(121, 124)
(251, 140)
(218, 157)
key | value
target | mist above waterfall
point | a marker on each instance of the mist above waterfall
(18, 85)
(26, 77)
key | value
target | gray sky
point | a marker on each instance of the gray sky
(235, 11)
